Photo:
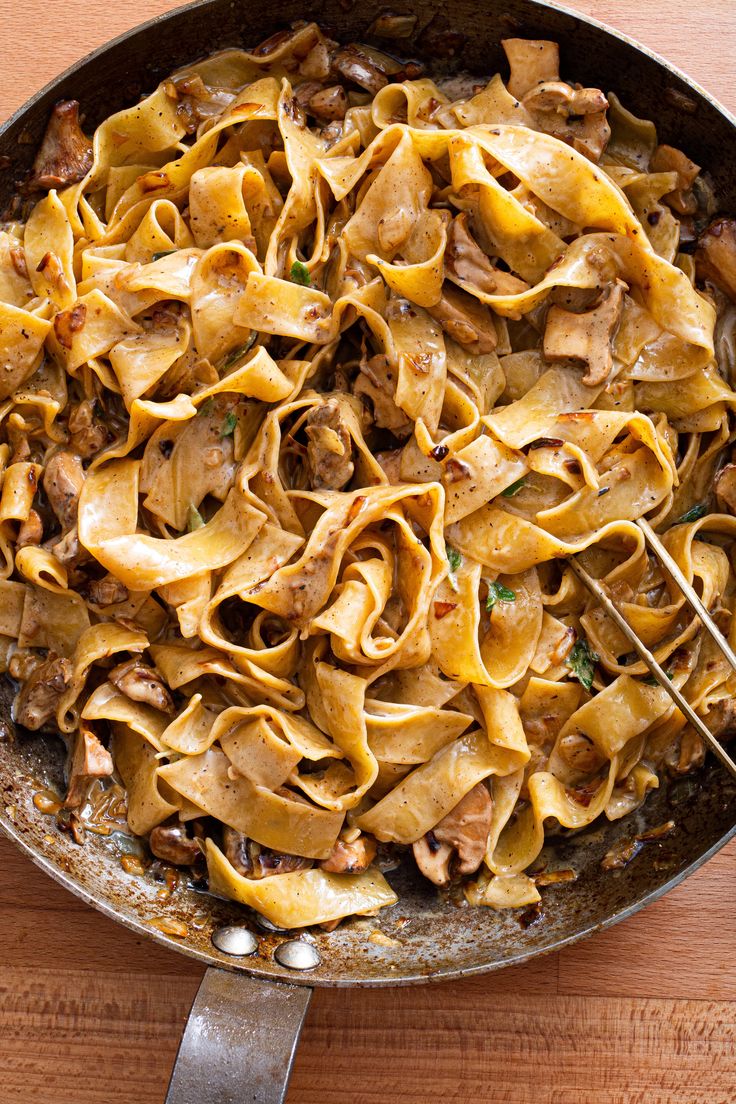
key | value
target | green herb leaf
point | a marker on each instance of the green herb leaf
(497, 592)
(234, 356)
(513, 489)
(300, 274)
(162, 253)
(581, 662)
(194, 519)
(454, 559)
(651, 680)
(693, 514)
(207, 406)
(228, 426)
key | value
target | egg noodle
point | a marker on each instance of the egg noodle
(313, 375)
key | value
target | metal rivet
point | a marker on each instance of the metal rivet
(262, 922)
(235, 941)
(295, 954)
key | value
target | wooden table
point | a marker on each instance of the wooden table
(646, 1012)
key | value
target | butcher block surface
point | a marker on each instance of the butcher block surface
(642, 1014)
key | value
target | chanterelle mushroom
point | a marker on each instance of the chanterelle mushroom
(89, 760)
(39, 695)
(586, 338)
(349, 858)
(669, 159)
(465, 320)
(65, 156)
(330, 448)
(462, 834)
(466, 261)
(141, 683)
(715, 259)
(253, 861)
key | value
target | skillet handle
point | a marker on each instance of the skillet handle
(239, 1041)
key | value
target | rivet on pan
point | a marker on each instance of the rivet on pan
(262, 922)
(235, 941)
(295, 954)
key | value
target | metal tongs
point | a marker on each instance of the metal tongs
(670, 566)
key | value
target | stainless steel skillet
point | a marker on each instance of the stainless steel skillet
(243, 1029)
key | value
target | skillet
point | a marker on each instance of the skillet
(243, 1029)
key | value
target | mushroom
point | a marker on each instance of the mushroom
(725, 488)
(465, 320)
(466, 261)
(575, 115)
(253, 861)
(65, 156)
(40, 693)
(87, 435)
(171, 843)
(715, 258)
(585, 338)
(141, 683)
(107, 591)
(330, 448)
(89, 760)
(376, 382)
(350, 858)
(668, 159)
(30, 531)
(532, 61)
(62, 482)
(720, 719)
(462, 835)
(329, 103)
(354, 65)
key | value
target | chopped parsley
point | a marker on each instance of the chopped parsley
(194, 519)
(234, 356)
(581, 662)
(695, 513)
(300, 274)
(229, 424)
(497, 592)
(651, 681)
(162, 253)
(454, 559)
(513, 489)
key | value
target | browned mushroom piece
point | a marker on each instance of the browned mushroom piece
(466, 261)
(377, 382)
(715, 258)
(41, 692)
(253, 861)
(330, 447)
(141, 683)
(532, 61)
(316, 65)
(356, 66)
(30, 531)
(350, 858)
(725, 488)
(107, 591)
(575, 115)
(170, 843)
(668, 159)
(328, 103)
(87, 436)
(721, 720)
(585, 339)
(65, 156)
(465, 320)
(457, 844)
(62, 482)
(89, 760)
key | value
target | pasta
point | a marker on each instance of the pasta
(315, 373)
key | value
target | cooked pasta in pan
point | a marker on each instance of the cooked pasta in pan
(315, 371)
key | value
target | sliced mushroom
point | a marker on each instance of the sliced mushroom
(349, 858)
(354, 65)
(564, 99)
(141, 683)
(253, 861)
(466, 261)
(107, 591)
(465, 320)
(721, 720)
(62, 482)
(668, 159)
(725, 488)
(461, 836)
(171, 843)
(65, 156)
(329, 103)
(30, 531)
(575, 115)
(88, 436)
(585, 339)
(89, 760)
(715, 258)
(532, 61)
(376, 381)
(330, 448)
(39, 695)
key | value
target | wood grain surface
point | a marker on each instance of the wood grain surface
(642, 1014)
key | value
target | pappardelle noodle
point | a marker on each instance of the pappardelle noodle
(313, 373)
